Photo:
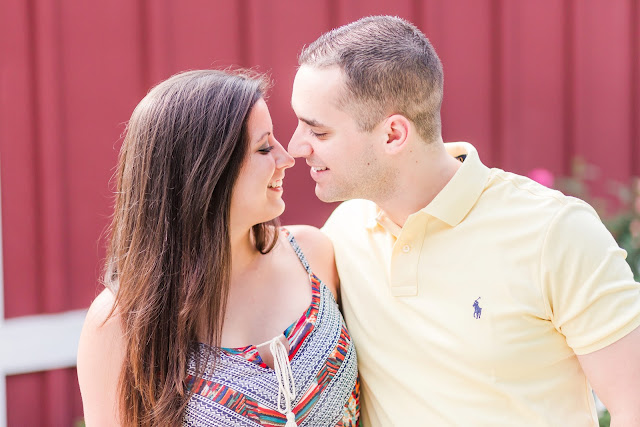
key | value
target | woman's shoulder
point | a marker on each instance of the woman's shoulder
(100, 357)
(315, 245)
(101, 331)
(318, 250)
(98, 317)
(309, 234)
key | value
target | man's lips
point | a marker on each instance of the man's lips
(316, 172)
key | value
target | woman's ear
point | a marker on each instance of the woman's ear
(396, 128)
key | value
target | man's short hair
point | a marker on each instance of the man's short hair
(390, 68)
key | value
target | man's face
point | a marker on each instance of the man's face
(343, 159)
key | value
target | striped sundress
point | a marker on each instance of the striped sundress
(322, 366)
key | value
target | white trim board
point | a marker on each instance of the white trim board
(37, 343)
(40, 342)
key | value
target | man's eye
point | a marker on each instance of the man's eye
(266, 150)
(316, 134)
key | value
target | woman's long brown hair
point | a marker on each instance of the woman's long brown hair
(168, 260)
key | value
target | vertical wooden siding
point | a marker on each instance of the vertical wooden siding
(532, 83)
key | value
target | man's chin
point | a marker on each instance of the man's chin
(327, 197)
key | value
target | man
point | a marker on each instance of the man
(474, 296)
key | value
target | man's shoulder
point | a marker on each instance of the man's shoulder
(535, 204)
(519, 188)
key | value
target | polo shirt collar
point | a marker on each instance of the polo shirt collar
(456, 199)
(382, 220)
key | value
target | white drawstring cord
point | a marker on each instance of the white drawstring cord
(286, 385)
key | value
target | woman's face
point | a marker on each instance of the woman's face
(257, 194)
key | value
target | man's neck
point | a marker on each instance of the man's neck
(418, 184)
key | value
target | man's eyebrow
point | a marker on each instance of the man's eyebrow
(312, 122)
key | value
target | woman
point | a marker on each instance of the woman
(198, 273)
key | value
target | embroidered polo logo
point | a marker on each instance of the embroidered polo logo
(477, 309)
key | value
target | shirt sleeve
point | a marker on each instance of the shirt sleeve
(587, 285)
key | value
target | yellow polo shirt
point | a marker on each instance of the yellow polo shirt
(472, 313)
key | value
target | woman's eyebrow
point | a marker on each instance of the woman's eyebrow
(267, 133)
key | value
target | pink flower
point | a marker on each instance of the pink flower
(634, 227)
(542, 176)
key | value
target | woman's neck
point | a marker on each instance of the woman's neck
(243, 252)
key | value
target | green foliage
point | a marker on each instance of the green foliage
(605, 419)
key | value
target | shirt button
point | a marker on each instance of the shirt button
(406, 249)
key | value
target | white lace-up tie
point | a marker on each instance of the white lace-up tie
(286, 385)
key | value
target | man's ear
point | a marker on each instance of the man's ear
(396, 128)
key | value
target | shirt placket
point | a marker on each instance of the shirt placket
(406, 255)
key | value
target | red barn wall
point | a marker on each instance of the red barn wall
(532, 83)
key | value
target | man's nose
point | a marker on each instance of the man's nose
(298, 145)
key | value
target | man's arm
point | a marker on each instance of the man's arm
(614, 374)
(594, 302)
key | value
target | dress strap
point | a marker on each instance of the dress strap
(297, 250)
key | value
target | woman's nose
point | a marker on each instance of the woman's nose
(284, 159)
(298, 147)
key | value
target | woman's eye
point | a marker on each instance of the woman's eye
(316, 134)
(267, 149)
